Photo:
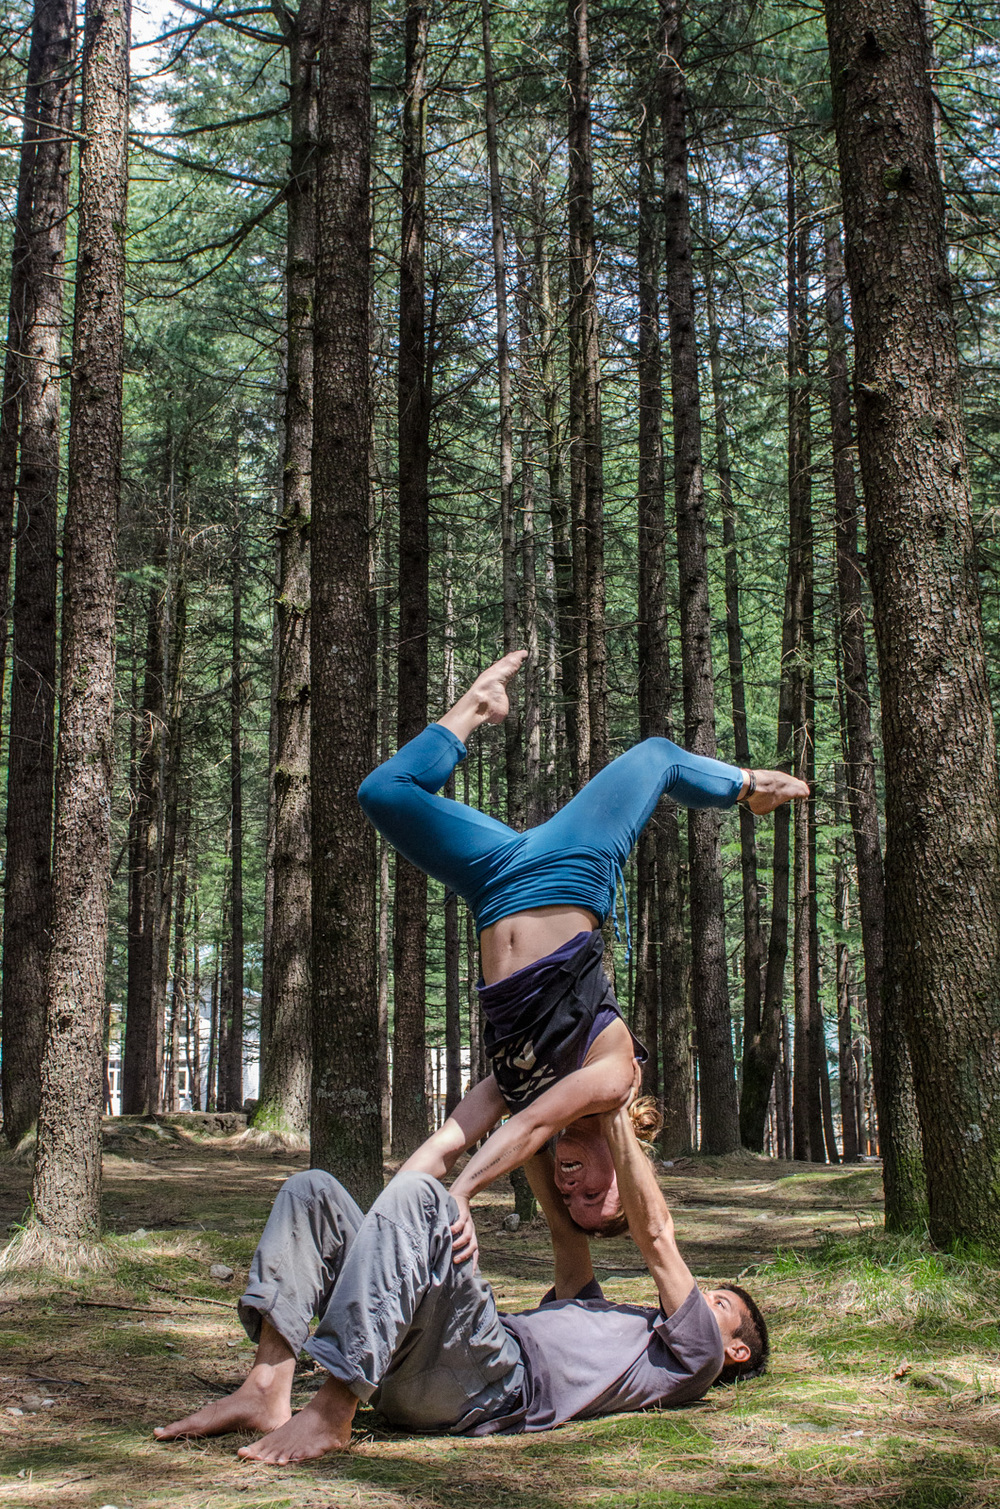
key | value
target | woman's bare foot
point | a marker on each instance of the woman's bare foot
(774, 788)
(486, 699)
(262, 1402)
(323, 1425)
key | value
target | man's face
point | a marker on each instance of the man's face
(585, 1176)
(729, 1312)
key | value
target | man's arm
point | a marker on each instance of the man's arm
(572, 1266)
(649, 1220)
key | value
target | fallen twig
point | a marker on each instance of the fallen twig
(104, 1304)
(196, 1299)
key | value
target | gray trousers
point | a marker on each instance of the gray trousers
(399, 1322)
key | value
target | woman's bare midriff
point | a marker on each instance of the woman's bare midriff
(518, 940)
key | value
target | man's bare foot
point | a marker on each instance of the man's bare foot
(262, 1402)
(486, 699)
(323, 1425)
(774, 788)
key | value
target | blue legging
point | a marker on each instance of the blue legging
(574, 859)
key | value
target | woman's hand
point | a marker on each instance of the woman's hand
(464, 1242)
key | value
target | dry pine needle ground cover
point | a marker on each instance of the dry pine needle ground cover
(884, 1390)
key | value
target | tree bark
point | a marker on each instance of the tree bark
(807, 1112)
(899, 1131)
(653, 643)
(760, 1032)
(849, 1129)
(566, 608)
(67, 1182)
(179, 995)
(709, 984)
(383, 848)
(777, 946)
(512, 730)
(140, 1084)
(212, 1074)
(527, 384)
(193, 1014)
(409, 966)
(283, 1103)
(452, 943)
(346, 1124)
(37, 292)
(38, 239)
(231, 1063)
(586, 442)
(942, 887)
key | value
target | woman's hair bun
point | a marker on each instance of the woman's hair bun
(646, 1119)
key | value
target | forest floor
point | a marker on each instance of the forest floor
(884, 1387)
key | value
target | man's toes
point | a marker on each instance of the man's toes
(171, 1432)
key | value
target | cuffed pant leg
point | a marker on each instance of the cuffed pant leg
(309, 1232)
(405, 1316)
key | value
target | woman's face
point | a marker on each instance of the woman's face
(585, 1175)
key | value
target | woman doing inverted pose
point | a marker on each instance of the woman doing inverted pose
(559, 1048)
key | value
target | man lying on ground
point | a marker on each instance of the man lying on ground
(406, 1327)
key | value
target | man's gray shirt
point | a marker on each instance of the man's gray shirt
(588, 1357)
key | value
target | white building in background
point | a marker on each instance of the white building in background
(251, 1055)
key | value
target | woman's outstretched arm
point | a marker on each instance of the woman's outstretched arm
(474, 1116)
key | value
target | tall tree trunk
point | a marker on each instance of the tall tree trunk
(452, 943)
(171, 746)
(850, 1132)
(44, 155)
(140, 1087)
(385, 705)
(513, 751)
(710, 989)
(179, 996)
(806, 1107)
(231, 1065)
(777, 948)
(37, 291)
(224, 978)
(899, 1131)
(760, 1032)
(346, 1124)
(409, 967)
(67, 1182)
(533, 804)
(212, 1069)
(653, 645)
(942, 886)
(566, 608)
(169, 901)
(194, 994)
(586, 442)
(283, 1103)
